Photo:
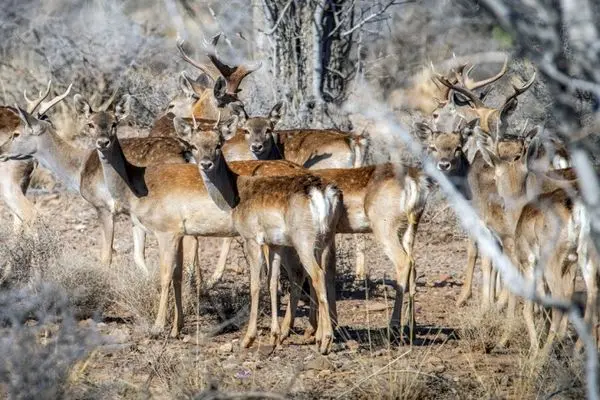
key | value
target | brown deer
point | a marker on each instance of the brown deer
(80, 169)
(551, 229)
(15, 175)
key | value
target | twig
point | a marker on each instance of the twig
(279, 19)
(374, 15)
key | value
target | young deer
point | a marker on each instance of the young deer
(550, 228)
(15, 175)
(80, 169)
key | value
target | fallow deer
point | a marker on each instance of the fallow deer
(15, 175)
(550, 226)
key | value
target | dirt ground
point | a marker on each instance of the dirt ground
(450, 358)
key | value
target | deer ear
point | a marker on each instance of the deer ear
(82, 106)
(484, 141)
(186, 86)
(228, 128)
(469, 128)
(33, 125)
(276, 113)
(203, 82)
(423, 131)
(123, 107)
(183, 128)
(533, 145)
(220, 90)
(237, 109)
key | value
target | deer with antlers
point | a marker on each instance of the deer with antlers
(15, 175)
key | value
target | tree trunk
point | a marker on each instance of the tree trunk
(308, 52)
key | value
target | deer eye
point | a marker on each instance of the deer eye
(435, 115)
(170, 106)
(15, 135)
(90, 125)
(114, 125)
(460, 100)
(432, 148)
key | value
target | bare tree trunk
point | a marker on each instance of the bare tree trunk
(309, 50)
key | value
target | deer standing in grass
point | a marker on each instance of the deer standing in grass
(551, 229)
(15, 175)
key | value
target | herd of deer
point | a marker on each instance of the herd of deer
(207, 168)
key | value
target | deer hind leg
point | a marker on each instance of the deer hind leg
(221, 263)
(15, 177)
(191, 262)
(296, 276)
(107, 224)
(177, 280)
(466, 292)
(317, 273)
(168, 246)
(328, 260)
(256, 259)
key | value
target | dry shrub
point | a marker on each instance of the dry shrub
(40, 342)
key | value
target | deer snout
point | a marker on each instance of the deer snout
(444, 165)
(102, 143)
(206, 165)
(257, 147)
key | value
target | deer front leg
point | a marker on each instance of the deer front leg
(107, 224)
(275, 267)
(168, 247)
(221, 263)
(139, 246)
(466, 292)
(486, 284)
(296, 276)
(361, 272)
(255, 256)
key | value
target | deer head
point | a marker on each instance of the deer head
(205, 144)
(101, 125)
(259, 131)
(447, 148)
(25, 134)
(191, 92)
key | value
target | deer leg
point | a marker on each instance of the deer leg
(297, 277)
(107, 224)
(486, 268)
(328, 260)
(530, 324)
(221, 263)
(313, 314)
(139, 246)
(465, 293)
(15, 177)
(361, 272)
(190, 260)
(255, 256)
(275, 267)
(168, 244)
(177, 278)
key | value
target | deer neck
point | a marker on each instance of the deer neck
(65, 161)
(221, 184)
(123, 179)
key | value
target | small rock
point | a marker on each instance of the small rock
(243, 374)
(226, 347)
(324, 373)
(186, 339)
(318, 363)
(352, 345)
(119, 335)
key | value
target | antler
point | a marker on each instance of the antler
(520, 90)
(202, 67)
(32, 105)
(462, 90)
(45, 107)
(472, 84)
(104, 106)
(234, 75)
